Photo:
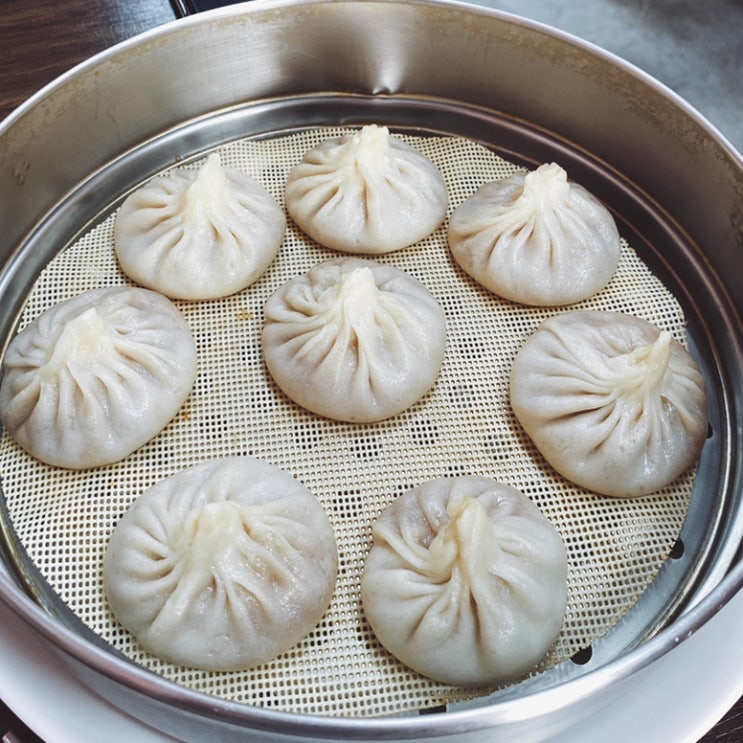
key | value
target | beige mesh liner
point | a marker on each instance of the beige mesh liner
(464, 425)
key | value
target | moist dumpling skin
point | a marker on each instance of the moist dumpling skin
(613, 403)
(354, 340)
(97, 376)
(366, 192)
(222, 566)
(198, 233)
(536, 238)
(466, 581)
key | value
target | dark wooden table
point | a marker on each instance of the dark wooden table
(42, 39)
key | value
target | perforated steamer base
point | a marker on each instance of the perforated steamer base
(464, 425)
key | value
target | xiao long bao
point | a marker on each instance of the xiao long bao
(366, 192)
(198, 233)
(97, 376)
(613, 403)
(222, 566)
(536, 238)
(354, 340)
(466, 581)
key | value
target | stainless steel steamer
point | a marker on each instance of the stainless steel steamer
(526, 91)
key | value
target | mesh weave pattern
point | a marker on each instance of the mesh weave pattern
(464, 425)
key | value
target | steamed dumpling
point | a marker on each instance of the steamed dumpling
(222, 566)
(198, 234)
(366, 192)
(613, 403)
(97, 376)
(354, 340)
(466, 581)
(536, 238)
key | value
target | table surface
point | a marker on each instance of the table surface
(41, 40)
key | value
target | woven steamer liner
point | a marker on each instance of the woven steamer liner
(464, 425)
